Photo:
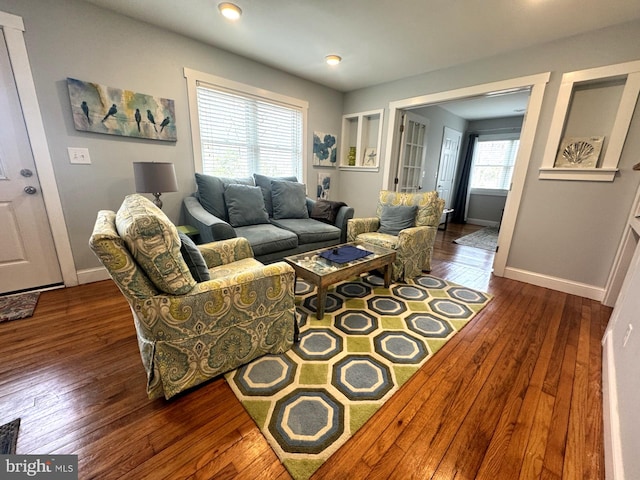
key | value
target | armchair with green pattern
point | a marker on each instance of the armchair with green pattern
(189, 331)
(414, 235)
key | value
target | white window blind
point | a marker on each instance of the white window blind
(244, 134)
(493, 162)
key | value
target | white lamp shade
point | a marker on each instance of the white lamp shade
(155, 177)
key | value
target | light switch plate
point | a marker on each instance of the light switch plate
(79, 155)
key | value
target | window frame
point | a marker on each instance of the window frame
(195, 78)
(494, 137)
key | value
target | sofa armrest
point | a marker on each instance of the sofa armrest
(356, 226)
(343, 215)
(210, 227)
(225, 251)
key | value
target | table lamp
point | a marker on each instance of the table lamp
(155, 178)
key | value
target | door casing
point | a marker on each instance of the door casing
(13, 28)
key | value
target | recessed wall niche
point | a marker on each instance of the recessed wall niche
(590, 123)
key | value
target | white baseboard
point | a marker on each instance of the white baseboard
(90, 275)
(554, 283)
(612, 447)
(483, 223)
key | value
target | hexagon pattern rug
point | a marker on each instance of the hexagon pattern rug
(310, 400)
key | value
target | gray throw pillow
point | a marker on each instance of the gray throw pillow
(289, 200)
(211, 192)
(393, 219)
(194, 259)
(264, 182)
(245, 205)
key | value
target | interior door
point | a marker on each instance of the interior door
(28, 257)
(448, 163)
(412, 152)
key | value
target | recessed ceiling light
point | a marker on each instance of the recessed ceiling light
(333, 59)
(230, 10)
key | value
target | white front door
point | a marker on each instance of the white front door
(448, 164)
(27, 254)
(412, 152)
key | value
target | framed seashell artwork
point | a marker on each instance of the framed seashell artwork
(579, 152)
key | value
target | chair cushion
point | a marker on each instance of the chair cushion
(211, 192)
(393, 219)
(264, 182)
(154, 243)
(194, 259)
(326, 211)
(289, 200)
(245, 205)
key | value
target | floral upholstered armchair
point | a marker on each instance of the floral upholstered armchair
(190, 331)
(406, 223)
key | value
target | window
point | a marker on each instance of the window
(240, 130)
(493, 160)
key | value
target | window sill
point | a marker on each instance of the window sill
(488, 191)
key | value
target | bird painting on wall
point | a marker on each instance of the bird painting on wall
(138, 118)
(164, 123)
(151, 119)
(85, 110)
(112, 111)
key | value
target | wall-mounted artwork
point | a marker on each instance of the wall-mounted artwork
(324, 149)
(324, 185)
(579, 152)
(101, 109)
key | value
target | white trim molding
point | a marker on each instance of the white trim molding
(555, 283)
(614, 467)
(13, 28)
(90, 275)
(537, 84)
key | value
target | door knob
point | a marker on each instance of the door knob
(30, 190)
(25, 172)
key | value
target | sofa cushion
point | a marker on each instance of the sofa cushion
(264, 182)
(211, 192)
(289, 200)
(326, 211)
(194, 259)
(267, 238)
(154, 242)
(245, 205)
(309, 230)
(393, 219)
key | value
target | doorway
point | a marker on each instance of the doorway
(29, 181)
(537, 85)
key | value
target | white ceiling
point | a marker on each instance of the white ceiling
(379, 40)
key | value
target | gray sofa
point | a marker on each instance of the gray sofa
(273, 213)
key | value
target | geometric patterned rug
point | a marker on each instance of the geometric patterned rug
(487, 239)
(311, 399)
(9, 437)
(21, 305)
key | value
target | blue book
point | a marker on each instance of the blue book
(345, 254)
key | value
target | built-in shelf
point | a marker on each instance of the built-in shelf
(361, 137)
(597, 102)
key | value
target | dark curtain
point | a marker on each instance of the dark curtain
(460, 200)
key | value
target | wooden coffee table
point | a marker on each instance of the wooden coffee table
(323, 273)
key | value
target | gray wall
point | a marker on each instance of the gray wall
(568, 230)
(75, 39)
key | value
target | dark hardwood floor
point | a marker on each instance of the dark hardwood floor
(516, 394)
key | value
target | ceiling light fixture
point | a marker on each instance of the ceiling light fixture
(333, 59)
(230, 11)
